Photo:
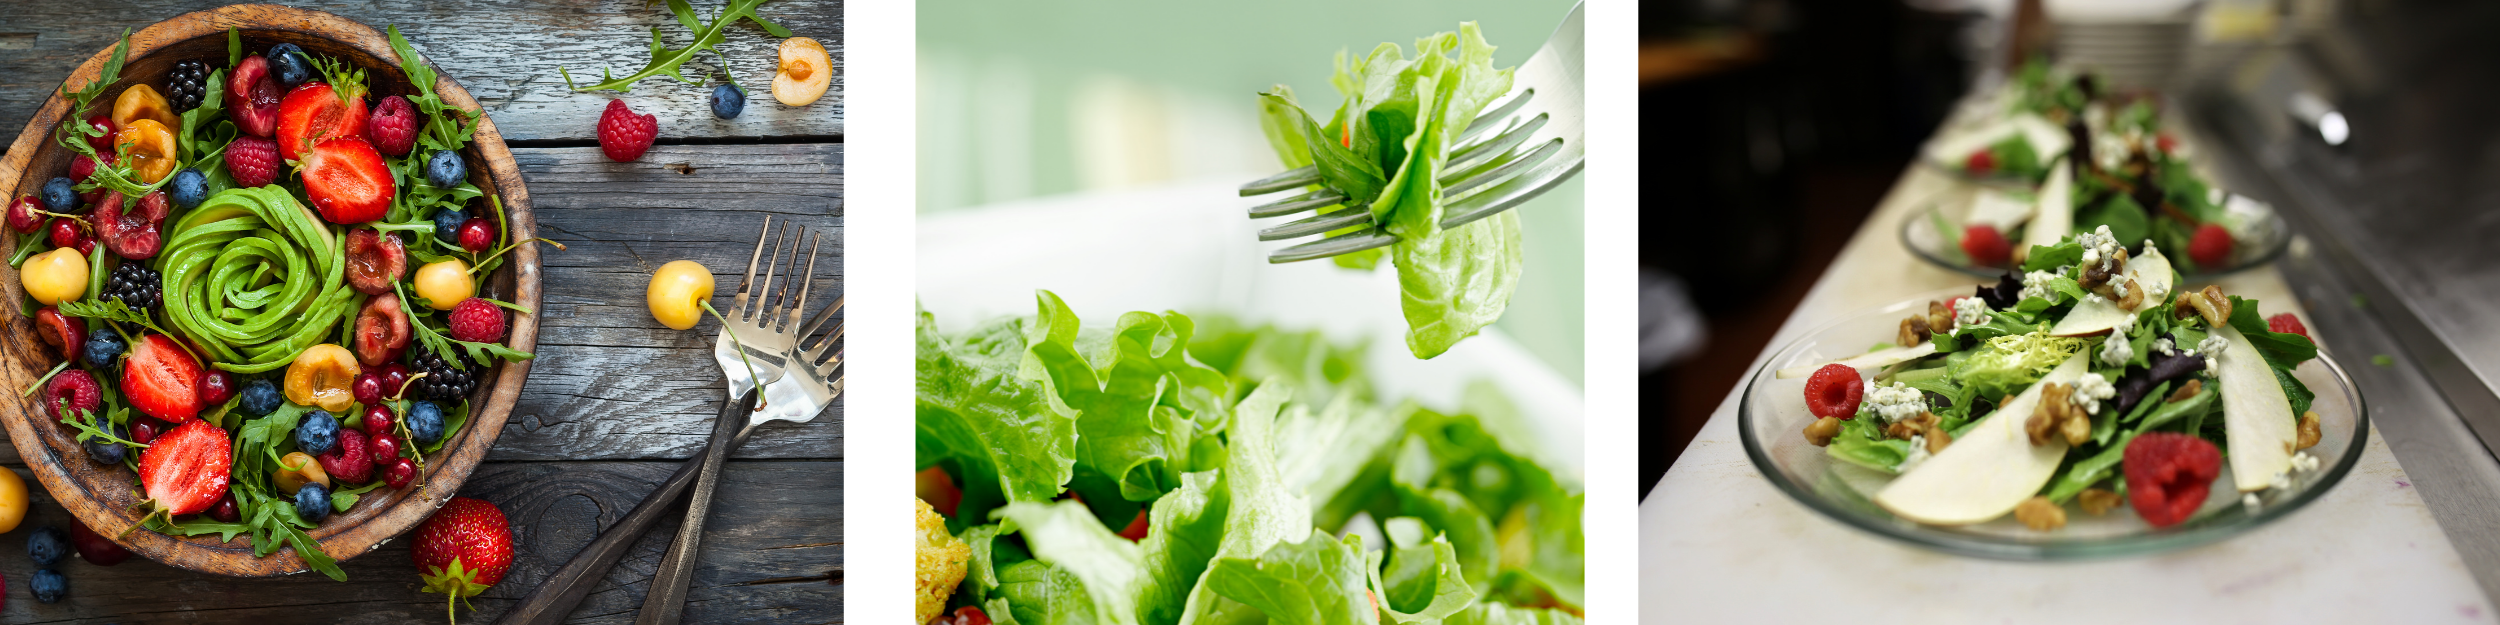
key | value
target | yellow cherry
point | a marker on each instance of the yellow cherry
(12, 500)
(678, 291)
(56, 276)
(443, 284)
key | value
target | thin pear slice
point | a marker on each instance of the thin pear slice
(2256, 416)
(2055, 217)
(1998, 209)
(2047, 139)
(2095, 315)
(1879, 358)
(1987, 470)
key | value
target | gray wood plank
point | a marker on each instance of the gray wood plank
(506, 52)
(773, 554)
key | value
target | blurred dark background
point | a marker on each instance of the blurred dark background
(1770, 129)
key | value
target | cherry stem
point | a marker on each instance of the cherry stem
(490, 257)
(752, 378)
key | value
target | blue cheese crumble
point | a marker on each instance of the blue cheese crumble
(2090, 390)
(1895, 402)
(1969, 311)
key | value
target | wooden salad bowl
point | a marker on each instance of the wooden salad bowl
(104, 497)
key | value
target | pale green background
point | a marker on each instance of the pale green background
(1030, 99)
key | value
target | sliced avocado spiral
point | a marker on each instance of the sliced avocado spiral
(253, 278)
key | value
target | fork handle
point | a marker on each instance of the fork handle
(666, 602)
(563, 590)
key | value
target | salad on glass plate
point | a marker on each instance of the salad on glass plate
(2052, 153)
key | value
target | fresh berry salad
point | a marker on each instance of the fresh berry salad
(2086, 381)
(2066, 155)
(261, 281)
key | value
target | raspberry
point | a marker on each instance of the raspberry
(1986, 246)
(1834, 391)
(393, 127)
(253, 161)
(2169, 474)
(476, 321)
(2285, 322)
(1980, 162)
(625, 135)
(74, 388)
(2211, 247)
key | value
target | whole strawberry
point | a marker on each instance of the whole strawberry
(393, 128)
(464, 549)
(476, 321)
(625, 135)
(253, 161)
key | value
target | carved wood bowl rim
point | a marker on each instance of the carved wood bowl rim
(104, 497)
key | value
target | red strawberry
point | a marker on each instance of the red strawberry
(625, 135)
(62, 332)
(476, 321)
(1834, 391)
(252, 98)
(393, 128)
(314, 113)
(161, 380)
(253, 161)
(2211, 247)
(70, 392)
(185, 470)
(464, 549)
(1986, 246)
(347, 181)
(134, 233)
(348, 459)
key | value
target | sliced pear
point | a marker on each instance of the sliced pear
(2047, 139)
(1987, 470)
(2097, 315)
(2256, 416)
(1998, 209)
(1878, 358)
(2055, 217)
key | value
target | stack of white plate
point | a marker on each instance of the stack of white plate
(2134, 44)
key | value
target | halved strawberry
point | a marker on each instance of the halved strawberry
(252, 97)
(347, 181)
(161, 380)
(314, 113)
(185, 470)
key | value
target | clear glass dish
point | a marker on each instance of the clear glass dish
(1772, 414)
(2267, 239)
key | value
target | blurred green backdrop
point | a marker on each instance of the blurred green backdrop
(1028, 99)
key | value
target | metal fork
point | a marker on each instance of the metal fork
(1539, 144)
(790, 398)
(760, 361)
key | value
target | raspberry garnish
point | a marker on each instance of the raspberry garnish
(2169, 475)
(1834, 391)
(393, 128)
(2211, 247)
(1986, 246)
(2285, 322)
(253, 161)
(1980, 162)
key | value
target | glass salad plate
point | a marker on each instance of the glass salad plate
(1773, 413)
(1933, 234)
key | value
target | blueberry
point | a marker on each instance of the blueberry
(106, 452)
(728, 102)
(48, 546)
(446, 170)
(313, 502)
(189, 189)
(288, 65)
(317, 434)
(102, 346)
(447, 223)
(425, 423)
(261, 397)
(50, 586)
(59, 196)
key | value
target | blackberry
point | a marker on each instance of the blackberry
(444, 381)
(138, 287)
(187, 85)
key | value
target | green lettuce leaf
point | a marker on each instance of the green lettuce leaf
(1264, 511)
(1066, 536)
(1494, 613)
(1454, 283)
(1127, 432)
(1001, 432)
(1424, 583)
(1315, 581)
(2006, 364)
(1033, 593)
(1186, 529)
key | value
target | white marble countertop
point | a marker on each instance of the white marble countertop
(1720, 544)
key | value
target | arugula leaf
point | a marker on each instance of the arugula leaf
(665, 60)
(1315, 581)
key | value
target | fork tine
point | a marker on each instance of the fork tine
(1296, 204)
(1315, 225)
(1488, 119)
(818, 322)
(1513, 193)
(738, 306)
(765, 291)
(1347, 243)
(1499, 144)
(1505, 170)
(778, 322)
(790, 313)
(1291, 179)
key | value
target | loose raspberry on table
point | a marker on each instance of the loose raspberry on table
(2285, 322)
(624, 135)
(1834, 391)
(393, 127)
(253, 161)
(2169, 474)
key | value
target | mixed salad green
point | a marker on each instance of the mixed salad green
(1166, 471)
(1385, 148)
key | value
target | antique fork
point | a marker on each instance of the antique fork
(1539, 144)
(753, 322)
(794, 398)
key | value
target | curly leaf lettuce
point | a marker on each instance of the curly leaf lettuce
(1128, 433)
(1006, 439)
(1318, 580)
(1423, 583)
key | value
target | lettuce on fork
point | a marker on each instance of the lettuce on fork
(1163, 472)
(1385, 147)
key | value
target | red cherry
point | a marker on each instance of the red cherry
(22, 216)
(378, 420)
(102, 144)
(384, 445)
(225, 511)
(65, 232)
(399, 472)
(216, 387)
(477, 235)
(394, 379)
(144, 429)
(367, 388)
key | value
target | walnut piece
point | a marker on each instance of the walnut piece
(1821, 431)
(1937, 439)
(2077, 428)
(1905, 428)
(1913, 331)
(1939, 317)
(2040, 515)
(2186, 391)
(2310, 431)
(2052, 414)
(2095, 501)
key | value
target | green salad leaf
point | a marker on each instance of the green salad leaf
(1314, 581)
(1005, 439)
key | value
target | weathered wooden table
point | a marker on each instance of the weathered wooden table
(614, 400)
